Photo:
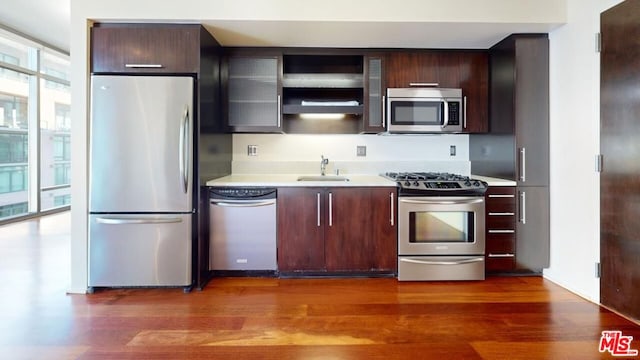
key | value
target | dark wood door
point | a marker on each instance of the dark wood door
(620, 179)
(301, 229)
(145, 48)
(384, 229)
(348, 220)
(361, 231)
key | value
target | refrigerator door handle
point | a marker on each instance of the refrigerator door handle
(115, 220)
(184, 149)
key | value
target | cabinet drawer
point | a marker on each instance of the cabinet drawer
(145, 48)
(500, 264)
(501, 235)
(501, 220)
(500, 246)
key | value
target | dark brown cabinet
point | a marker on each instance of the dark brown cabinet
(146, 48)
(520, 107)
(375, 89)
(337, 229)
(301, 229)
(500, 218)
(253, 91)
(468, 70)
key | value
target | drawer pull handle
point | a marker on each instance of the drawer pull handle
(143, 66)
(501, 255)
(501, 231)
(501, 214)
(501, 196)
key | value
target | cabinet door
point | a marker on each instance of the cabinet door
(532, 228)
(145, 48)
(474, 81)
(301, 229)
(348, 221)
(384, 230)
(361, 232)
(253, 94)
(404, 69)
(375, 94)
(532, 111)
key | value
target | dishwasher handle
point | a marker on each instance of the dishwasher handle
(242, 203)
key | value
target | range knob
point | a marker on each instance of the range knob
(467, 183)
(407, 183)
(415, 183)
(476, 183)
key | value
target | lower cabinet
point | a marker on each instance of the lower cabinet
(337, 229)
(500, 250)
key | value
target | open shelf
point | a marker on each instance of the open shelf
(333, 80)
(322, 109)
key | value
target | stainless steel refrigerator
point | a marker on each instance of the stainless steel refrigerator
(141, 204)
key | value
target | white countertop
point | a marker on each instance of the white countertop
(280, 180)
(494, 181)
(354, 180)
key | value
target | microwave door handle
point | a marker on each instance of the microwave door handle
(446, 113)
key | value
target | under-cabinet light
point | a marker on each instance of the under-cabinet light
(314, 116)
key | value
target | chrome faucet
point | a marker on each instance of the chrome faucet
(323, 165)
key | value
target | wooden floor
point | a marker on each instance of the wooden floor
(500, 318)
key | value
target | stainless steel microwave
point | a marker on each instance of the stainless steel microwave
(425, 110)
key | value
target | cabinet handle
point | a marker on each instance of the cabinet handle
(501, 231)
(464, 113)
(523, 159)
(318, 206)
(501, 196)
(523, 206)
(330, 209)
(501, 255)
(384, 109)
(392, 220)
(425, 84)
(143, 66)
(279, 110)
(501, 214)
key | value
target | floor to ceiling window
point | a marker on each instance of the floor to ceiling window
(35, 128)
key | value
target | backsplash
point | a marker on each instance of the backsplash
(301, 154)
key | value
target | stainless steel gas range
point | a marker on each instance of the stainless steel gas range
(441, 226)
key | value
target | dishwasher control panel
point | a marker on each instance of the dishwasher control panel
(243, 193)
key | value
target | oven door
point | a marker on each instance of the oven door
(441, 226)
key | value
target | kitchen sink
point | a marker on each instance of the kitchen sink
(322, 178)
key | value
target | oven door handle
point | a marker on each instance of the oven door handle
(459, 262)
(442, 202)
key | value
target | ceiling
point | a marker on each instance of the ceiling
(49, 21)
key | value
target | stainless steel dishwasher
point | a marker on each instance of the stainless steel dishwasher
(242, 228)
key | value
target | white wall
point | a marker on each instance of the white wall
(301, 154)
(574, 138)
(378, 11)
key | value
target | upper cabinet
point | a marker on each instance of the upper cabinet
(145, 48)
(463, 69)
(301, 91)
(520, 102)
(253, 92)
(374, 119)
(322, 92)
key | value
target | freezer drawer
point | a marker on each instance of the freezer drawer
(422, 268)
(140, 250)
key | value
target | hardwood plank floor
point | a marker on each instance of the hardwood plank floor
(265, 318)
